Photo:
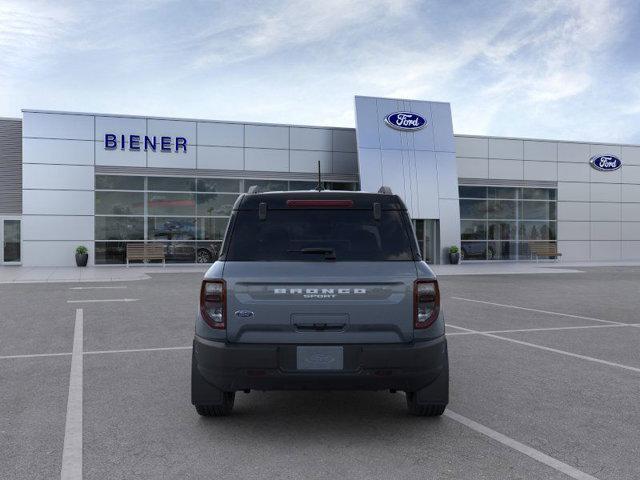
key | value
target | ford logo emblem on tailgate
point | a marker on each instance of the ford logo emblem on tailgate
(244, 313)
(405, 121)
(605, 163)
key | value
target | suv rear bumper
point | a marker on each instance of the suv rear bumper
(408, 367)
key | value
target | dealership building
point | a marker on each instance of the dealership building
(105, 181)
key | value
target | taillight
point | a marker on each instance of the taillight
(213, 303)
(426, 303)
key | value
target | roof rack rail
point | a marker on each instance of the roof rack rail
(253, 189)
(384, 190)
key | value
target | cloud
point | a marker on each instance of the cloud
(508, 68)
(28, 28)
(547, 55)
(291, 24)
(551, 55)
(525, 60)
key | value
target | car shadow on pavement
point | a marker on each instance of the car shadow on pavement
(322, 411)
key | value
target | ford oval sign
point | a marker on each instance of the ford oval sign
(605, 163)
(405, 121)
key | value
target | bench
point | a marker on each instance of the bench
(145, 252)
(544, 249)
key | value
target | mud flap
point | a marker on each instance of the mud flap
(202, 392)
(437, 392)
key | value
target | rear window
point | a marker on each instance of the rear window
(308, 235)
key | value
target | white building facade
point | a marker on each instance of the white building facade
(104, 181)
(597, 212)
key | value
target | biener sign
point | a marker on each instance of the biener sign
(139, 142)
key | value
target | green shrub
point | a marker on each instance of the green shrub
(453, 249)
(81, 250)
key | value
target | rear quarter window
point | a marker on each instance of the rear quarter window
(353, 235)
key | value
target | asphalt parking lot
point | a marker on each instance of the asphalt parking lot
(545, 383)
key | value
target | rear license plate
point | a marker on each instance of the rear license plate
(319, 358)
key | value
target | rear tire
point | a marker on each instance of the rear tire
(222, 410)
(421, 409)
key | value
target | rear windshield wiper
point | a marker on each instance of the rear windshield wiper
(329, 253)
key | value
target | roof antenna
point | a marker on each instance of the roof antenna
(319, 187)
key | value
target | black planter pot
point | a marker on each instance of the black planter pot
(454, 258)
(82, 259)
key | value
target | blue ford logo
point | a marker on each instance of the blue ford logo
(405, 121)
(605, 163)
(244, 313)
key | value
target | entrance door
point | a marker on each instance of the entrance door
(10, 240)
(427, 232)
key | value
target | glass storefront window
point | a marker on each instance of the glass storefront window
(108, 253)
(419, 228)
(532, 210)
(502, 192)
(502, 251)
(119, 228)
(524, 252)
(171, 204)
(538, 194)
(180, 252)
(212, 228)
(349, 187)
(472, 192)
(207, 252)
(119, 182)
(502, 230)
(187, 215)
(538, 230)
(294, 185)
(473, 230)
(11, 241)
(502, 209)
(218, 185)
(119, 203)
(171, 184)
(503, 224)
(474, 250)
(267, 185)
(215, 204)
(473, 209)
(171, 228)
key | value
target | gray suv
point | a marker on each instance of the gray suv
(319, 291)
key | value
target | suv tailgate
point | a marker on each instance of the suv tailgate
(319, 302)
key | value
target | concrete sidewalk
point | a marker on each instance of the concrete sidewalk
(514, 268)
(117, 273)
(500, 268)
(19, 274)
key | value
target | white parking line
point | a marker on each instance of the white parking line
(520, 447)
(554, 350)
(104, 301)
(543, 329)
(159, 349)
(95, 352)
(34, 355)
(72, 448)
(538, 311)
(99, 288)
(461, 328)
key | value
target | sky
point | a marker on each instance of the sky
(565, 69)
